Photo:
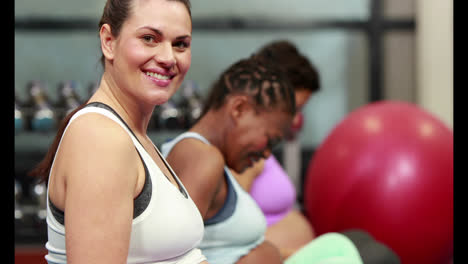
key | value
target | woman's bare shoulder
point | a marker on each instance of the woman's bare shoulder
(190, 152)
(96, 146)
(95, 132)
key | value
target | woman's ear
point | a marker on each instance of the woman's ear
(239, 106)
(107, 42)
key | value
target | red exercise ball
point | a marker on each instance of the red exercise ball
(387, 168)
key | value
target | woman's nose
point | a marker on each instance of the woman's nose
(266, 153)
(165, 55)
(297, 122)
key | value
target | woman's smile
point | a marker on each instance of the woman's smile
(159, 77)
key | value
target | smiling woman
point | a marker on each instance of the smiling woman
(147, 57)
(102, 169)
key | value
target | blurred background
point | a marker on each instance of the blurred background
(365, 51)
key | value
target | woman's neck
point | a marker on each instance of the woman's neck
(129, 109)
(212, 128)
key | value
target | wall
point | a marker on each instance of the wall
(435, 58)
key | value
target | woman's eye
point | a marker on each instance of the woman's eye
(181, 45)
(148, 38)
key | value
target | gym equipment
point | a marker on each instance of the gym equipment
(387, 168)
(19, 116)
(93, 86)
(371, 251)
(38, 194)
(68, 98)
(41, 117)
(191, 103)
(169, 116)
(330, 248)
(18, 195)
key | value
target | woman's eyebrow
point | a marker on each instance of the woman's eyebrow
(159, 32)
(184, 37)
(155, 30)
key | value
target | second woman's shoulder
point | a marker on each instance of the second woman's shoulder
(191, 152)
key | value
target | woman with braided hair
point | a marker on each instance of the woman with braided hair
(249, 109)
(268, 183)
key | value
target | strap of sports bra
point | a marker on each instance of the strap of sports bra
(231, 199)
(141, 201)
(192, 135)
(105, 106)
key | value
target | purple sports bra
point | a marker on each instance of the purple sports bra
(273, 191)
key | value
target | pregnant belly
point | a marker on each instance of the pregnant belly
(263, 253)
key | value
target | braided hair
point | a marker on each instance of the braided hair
(255, 77)
(300, 71)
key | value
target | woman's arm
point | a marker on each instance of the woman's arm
(248, 176)
(200, 167)
(100, 178)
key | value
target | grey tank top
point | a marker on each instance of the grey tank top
(237, 228)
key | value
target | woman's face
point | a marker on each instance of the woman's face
(302, 96)
(255, 136)
(152, 53)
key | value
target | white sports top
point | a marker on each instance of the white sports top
(167, 231)
(238, 227)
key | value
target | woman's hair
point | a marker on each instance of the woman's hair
(262, 81)
(115, 13)
(300, 71)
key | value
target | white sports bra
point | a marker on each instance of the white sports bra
(168, 228)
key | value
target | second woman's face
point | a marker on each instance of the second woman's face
(302, 96)
(152, 52)
(255, 136)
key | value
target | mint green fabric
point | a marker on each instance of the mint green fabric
(329, 248)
